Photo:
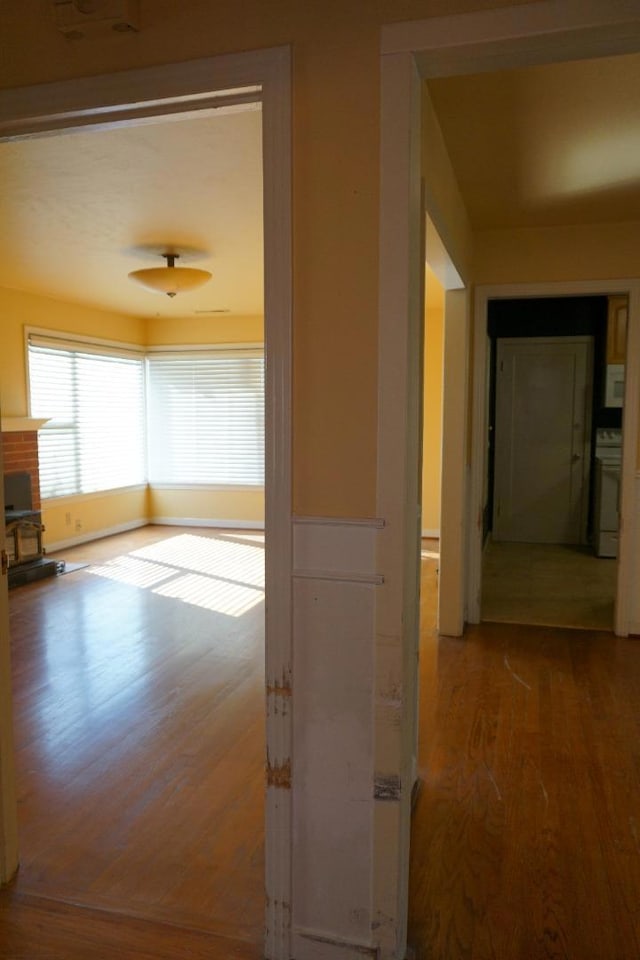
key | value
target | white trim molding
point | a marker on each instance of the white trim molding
(213, 523)
(516, 36)
(433, 533)
(336, 549)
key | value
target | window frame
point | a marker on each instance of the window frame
(249, 350)
(102, 346)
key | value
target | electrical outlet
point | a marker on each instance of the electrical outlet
(78, 524)
(67, 519)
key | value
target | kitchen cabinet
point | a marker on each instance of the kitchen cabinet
(618, 312)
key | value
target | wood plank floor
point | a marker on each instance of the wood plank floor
(142, 824)
(139, 729)
(526, 831)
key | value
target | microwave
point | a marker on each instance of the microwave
(614, 386)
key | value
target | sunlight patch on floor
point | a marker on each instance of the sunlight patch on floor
(243, 562)
(232, 599)
(217, 574)
(137, 573)
(429, 555)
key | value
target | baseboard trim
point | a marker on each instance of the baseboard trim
(158, 521)
(376, 523)
(341, 575)
(95, 535)
(431, 534)
(199, 522)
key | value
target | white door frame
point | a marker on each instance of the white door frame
(511, 37)
(623, 613)
(207, 84)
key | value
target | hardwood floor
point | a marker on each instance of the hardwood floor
(139, 730)
(139, 736)
(526, 831)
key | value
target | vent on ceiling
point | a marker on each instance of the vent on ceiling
(81, 18)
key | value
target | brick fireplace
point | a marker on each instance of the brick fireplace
(23, 522)
(20, 454)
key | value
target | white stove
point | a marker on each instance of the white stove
(607, 493)
(609, 443)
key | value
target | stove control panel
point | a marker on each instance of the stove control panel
(608, 437)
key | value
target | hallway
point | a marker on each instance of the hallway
(548, 584)
(526, 833)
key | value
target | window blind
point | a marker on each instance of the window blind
(94, 399)
(206, 418)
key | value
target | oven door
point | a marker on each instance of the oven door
(607, 507)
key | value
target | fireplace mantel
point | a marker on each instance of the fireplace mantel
(21, 424)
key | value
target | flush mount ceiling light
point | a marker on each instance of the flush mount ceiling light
(170, 279)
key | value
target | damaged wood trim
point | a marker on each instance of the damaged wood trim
(279, 774)
(278, 690)
(387, 787)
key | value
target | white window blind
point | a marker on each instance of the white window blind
(94, 399)
(206, 418)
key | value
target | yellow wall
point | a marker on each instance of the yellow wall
(432, 422)
(198, 504)
(443, 199)
(18, 310)
(544, 254)
(93, 515)
(206, 330)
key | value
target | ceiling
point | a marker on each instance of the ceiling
(547, 145)
(80, 211)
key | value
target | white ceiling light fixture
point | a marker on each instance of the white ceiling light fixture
(170, 280)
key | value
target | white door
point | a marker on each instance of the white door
(542, 442)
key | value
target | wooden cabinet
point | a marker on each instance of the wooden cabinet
(617, 329)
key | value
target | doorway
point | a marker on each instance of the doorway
(411, 52)
(583, 588)
(547, 409)
(265, 77)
